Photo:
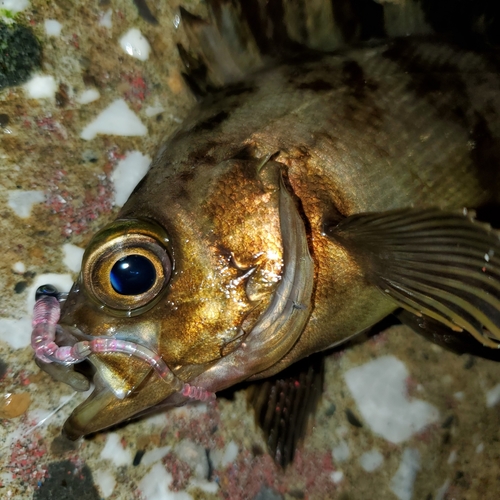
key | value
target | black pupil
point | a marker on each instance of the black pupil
(132, 275)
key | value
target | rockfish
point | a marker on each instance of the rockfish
(300, 203)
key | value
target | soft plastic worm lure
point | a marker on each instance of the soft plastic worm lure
(46, 315)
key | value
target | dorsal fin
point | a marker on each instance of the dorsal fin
(240, 37)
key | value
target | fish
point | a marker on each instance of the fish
(307, 196)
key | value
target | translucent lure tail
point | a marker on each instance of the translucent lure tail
(43, 341)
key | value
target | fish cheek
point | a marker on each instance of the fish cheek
(206, 309)
(232, 268)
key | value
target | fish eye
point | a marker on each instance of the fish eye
(127, 266)
(132, 275)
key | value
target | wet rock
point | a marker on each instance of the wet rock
(66, 481)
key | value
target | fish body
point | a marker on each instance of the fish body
(250, 223)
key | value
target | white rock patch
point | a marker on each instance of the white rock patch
(154, 110)
(19, 267)
(127, 174)
(134, 43)
(402, 482)
(15, 332)
(21, 202)
(106, 19)
(113, 450)
(204, 485)
(88, 96)
(493, 396)
(222, 459)
(52, 27)
(105, 481)
(378, 387)
(441, 492)
(41, 87)
(116, 119)
(341, 452)
(337, 476)
(371, 460)
(72, 257)
(155, 455)
(14, 5)
(155, 485)
(195, 456)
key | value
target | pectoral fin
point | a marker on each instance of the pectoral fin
(457, 342)
(441, 265)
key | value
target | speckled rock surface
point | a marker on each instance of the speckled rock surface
(58, 189)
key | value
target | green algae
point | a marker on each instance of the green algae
(20, 54)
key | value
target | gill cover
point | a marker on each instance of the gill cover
(279, 327)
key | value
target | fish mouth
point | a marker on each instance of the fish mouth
(105, 406)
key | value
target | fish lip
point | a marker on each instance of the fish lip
(102, 409)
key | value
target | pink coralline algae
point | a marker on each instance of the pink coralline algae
(137, 89)
(75, 213)
(309, 476)
(25, 464)
(50, 124)
(245, 477)
(201, 429)
(180, 470)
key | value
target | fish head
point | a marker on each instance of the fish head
(190, 271)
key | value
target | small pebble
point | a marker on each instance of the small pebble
(266, 493)
(353, 419)
(14, 405)
(341, 452)
(4, 120)
(337, 476)
(138, 457)
(19, 267)
(20, 286)
(106, 19)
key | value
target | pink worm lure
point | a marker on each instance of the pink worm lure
(46, 315)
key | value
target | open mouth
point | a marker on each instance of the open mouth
(45, 325)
